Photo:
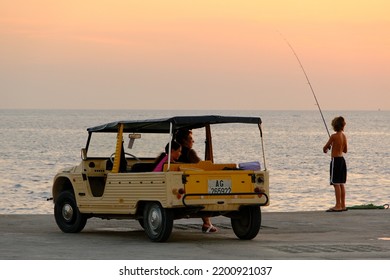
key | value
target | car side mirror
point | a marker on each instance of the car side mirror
(83, 153)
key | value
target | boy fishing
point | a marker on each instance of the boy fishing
(338, 169)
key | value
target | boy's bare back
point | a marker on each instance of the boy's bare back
(338, 143)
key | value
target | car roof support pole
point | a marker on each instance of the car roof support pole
(170, 145)
(262, 146)
(118, 150)
(209, 144)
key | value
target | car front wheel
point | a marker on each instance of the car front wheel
(67, 215)
(157, 221)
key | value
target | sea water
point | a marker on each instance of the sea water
(35, 144)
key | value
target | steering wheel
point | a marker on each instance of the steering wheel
(128, 154)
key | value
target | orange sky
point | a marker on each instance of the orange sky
(178, 54)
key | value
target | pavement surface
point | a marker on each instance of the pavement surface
(350, 235)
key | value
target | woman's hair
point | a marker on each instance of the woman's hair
(182, 135)
(338, 123)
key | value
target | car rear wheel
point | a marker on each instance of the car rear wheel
(157, 221)
(141, 223)
(67, 215)
(247, 225)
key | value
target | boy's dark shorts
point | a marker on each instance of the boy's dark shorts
(338, 171)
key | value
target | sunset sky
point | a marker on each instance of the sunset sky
(199, 54)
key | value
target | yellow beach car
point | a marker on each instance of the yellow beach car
(115, 181)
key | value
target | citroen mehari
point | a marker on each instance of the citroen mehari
(113, 181)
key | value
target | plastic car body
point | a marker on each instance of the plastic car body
(121, 185)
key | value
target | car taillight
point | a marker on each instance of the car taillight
(259, 191)
(178, 192)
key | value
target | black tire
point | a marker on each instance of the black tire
(248, 224)
(67, 215)
(141, 223)
(157, 221)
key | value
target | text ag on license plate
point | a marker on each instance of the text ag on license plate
(220, 186)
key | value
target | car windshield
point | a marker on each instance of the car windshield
(102, 145)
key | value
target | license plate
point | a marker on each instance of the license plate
(220, 186)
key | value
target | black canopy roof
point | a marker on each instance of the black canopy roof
(179, 122)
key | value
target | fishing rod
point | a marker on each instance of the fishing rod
(308, 81)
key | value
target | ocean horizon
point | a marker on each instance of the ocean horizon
(36, 143)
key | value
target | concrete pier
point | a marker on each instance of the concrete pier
(350, 235)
